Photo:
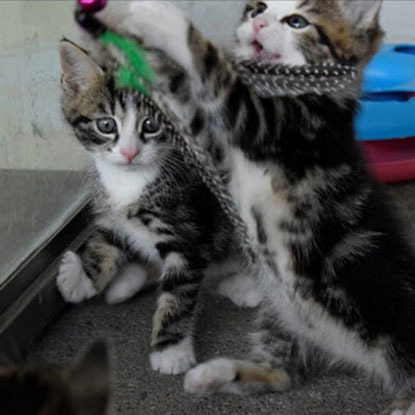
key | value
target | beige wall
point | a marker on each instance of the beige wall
(32, 132)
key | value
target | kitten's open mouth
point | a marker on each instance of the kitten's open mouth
(262, 54)
(257, 46)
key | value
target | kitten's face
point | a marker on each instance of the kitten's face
(112, 124)
(296, 32)
(83, 389)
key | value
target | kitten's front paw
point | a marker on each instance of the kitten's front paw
(158, 25)
(210, 377)
(154, 20)
(72, 281)
(174, 359)
(241, 289)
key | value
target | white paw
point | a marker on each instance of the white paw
(174, 359)
(72, 281)
(159, 25)
(129, 282)
(241, 290)
(161, 17)
(216, 375)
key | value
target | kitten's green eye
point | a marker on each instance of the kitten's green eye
(296, 21)
(106, 125)
(259, 9)
(150, 126)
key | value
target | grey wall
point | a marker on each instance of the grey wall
(32, 133)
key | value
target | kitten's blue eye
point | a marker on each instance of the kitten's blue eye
(150, 126)
(106, 125)
(259, 9)
(296, 21)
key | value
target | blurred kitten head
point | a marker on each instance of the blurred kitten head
(83, 389)
(295, 32)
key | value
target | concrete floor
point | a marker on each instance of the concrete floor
(222, 331)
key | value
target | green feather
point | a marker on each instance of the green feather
(137, 73)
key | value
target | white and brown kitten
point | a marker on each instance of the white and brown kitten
(83, 389)
(341, 281)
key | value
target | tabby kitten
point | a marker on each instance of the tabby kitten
(83, 389)
(149, 206)
(341, 280)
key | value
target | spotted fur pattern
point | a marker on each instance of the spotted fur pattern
(341, 281)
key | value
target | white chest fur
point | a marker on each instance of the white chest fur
(252, 188)
(122, 185)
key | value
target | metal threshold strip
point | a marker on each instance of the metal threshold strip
(29, 300)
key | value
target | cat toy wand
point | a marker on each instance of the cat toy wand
(135, 72)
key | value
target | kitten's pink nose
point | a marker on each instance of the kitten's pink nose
(130, 155)
(259, 23)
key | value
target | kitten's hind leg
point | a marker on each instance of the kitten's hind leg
(83, 276)
(172, 340)
(278, 363)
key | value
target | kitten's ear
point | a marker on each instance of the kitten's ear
(362, 13)
(88, 381)
(79, 71)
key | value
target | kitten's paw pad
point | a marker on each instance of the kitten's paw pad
(174, 359)
(72, 281)
(241, 290)
(131, 279)
(210, 377)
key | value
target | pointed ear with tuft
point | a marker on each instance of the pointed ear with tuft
(89, 381)
(362, 13)
(79, 71)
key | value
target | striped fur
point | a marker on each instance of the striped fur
(153, 209)
(341, 281)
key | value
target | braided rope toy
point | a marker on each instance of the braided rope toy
(270, 81)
